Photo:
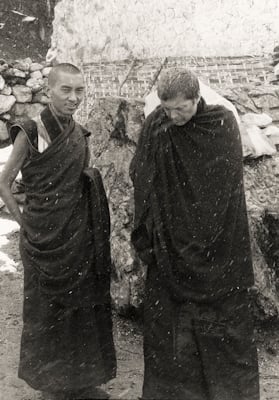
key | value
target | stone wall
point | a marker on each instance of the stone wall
(22, 92)
(85, 30)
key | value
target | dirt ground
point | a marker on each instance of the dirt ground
(128, 339)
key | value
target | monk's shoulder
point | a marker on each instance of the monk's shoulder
(225, 116)
(156, 114)
(29, 126)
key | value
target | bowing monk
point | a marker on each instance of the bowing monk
(191, 230)
(67, 349)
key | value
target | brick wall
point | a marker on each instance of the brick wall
(135, 78)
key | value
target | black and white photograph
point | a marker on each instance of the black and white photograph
(139, 199)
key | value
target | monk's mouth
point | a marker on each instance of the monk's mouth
(179, 122)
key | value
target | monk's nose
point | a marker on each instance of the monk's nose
(173, 115)
(73, 96)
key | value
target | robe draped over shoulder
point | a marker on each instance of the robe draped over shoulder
(190, 212)
(65, 249)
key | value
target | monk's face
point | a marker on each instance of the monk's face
(66, 93)
(180, 110)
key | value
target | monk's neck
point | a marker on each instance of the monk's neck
(63, 119)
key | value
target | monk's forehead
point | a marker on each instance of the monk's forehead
(67, 77)
(178, 101)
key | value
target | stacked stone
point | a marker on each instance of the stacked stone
(22, 91)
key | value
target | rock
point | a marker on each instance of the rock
(35, 84)
(272, 132)
(46, 71)
(240, 99)
(3, 67)
(40, 98)
(36, 75)
(274, 114)
(7, 90)
(23, 65)
(6, 103)
(2, 83)
(9, 72)
(261, 179)
(247, 145)
(28, 60)
(12, 81)
(265, 102)
(23, 94)
(116, 123)
(18, 73)
(6, 117)
(260, 145)
(260, 120)
(262, 90)
(4, 135)
(26, 110)
(36, 67)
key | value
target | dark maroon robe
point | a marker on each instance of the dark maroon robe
(64, 243)
(191, 230)
(190, 211)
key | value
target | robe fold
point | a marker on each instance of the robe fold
(65, 248)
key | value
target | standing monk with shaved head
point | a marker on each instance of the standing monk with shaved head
(67, 349)
(191, 230)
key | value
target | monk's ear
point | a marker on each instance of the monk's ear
(198, 98)
(49, 91)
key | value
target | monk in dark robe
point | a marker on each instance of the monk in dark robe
(67, 349)
(191, 230)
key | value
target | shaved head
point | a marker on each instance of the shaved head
(62, 68)
(178, 81)
(65, 88)
(179, 92)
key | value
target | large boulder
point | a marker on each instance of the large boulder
(115, 124)
(261, 179)
(256, 99)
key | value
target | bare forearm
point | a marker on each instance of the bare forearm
(9, 173)
(11, 204)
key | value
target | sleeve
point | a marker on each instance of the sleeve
(30, 129)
